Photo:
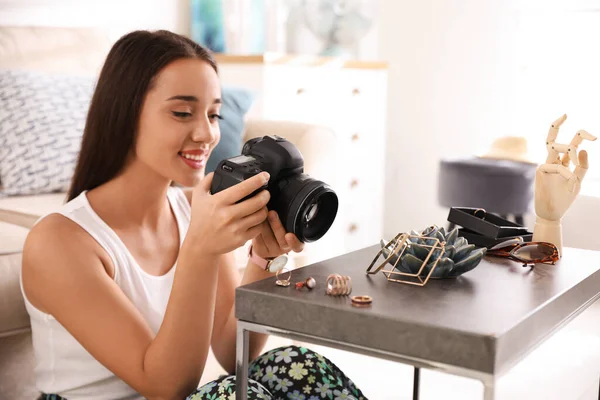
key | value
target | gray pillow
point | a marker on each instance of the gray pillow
(42, 117)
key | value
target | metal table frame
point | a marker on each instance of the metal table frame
(243, 336)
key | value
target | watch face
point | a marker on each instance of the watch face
(278, 263)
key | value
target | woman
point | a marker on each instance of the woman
(133, 280)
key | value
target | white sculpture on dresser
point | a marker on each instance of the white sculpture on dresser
(556, 186)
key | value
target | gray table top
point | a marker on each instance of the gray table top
(483, 321)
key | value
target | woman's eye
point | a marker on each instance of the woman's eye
(215, 116)
(179, 114)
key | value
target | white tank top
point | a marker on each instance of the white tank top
(63, 366)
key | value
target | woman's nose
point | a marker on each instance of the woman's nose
(203, 133)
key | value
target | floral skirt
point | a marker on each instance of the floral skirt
(288, 372)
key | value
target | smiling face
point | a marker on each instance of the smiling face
(178, 125)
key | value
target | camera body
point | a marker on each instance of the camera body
(306, 207)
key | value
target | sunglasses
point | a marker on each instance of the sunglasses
(528, 253)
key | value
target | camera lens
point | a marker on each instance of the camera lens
(307, 207)
(311, 212)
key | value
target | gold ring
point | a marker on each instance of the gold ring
(338, 285)
(283, 282)
(362, 300)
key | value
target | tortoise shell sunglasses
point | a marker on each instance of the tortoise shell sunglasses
(528, 253)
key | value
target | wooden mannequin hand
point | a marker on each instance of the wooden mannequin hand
(556, 187)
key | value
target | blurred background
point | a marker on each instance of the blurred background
(459, 74)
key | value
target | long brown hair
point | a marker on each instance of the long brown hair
(112, 120)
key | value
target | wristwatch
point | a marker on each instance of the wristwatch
(268, 264)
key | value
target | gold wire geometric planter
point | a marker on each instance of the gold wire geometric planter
(397, 246)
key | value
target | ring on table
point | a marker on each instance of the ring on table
(309, 283)
(361, 301)
(338, 285)
(283, 282)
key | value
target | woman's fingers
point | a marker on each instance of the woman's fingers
(251, 205)
(278, 230)
(269, 240)
(295, 243)
(254, 219)
(235, 193)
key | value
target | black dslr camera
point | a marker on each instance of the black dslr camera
(307, 207)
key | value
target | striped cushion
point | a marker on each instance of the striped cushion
(42, 117)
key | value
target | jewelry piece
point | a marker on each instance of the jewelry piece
(309, 283)
(283, 282)
(362, 300)
(338, 285)
(359, 305)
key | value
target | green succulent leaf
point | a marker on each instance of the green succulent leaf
(463, 251)
(460, 241)
(421, 251)
(409, 264)
(414, 239)
(449, 251)
(451, 237)
(386, 253)
(469, 262)
(444, 266)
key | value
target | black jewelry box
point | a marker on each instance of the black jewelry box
(482, 241)
(478, 221)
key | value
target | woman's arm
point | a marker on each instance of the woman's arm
(225, 324)
(272, 241)
(64, 275)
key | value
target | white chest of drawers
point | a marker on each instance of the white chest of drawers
(348, 97)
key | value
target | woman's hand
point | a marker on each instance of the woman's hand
(219, 223)
(273, 240)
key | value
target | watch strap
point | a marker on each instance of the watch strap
(263, 263)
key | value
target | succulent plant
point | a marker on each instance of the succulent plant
(459, 256)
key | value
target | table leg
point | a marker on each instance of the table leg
(416, 383)
(241, 365)
(488, 391)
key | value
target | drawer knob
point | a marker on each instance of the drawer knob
(355, 92)
(355, 137)
(354, 183)
(300, 91)
(352, 228)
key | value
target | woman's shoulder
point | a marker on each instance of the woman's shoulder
(56, 231)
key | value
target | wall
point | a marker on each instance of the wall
(119, 16)
(449, 82)
(452, 78)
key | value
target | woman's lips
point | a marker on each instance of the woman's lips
(194, 160)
